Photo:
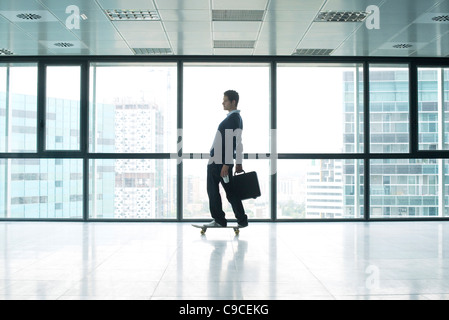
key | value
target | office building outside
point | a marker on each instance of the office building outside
(53, 188)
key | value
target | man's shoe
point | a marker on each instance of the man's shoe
(242, 226)
(213, 224)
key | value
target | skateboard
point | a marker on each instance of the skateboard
(204, 228)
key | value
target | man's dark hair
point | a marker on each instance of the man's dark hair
(232, 96)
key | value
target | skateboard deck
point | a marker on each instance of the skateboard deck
(204, 228)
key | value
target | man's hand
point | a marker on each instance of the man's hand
(224, 171)
(238, 168)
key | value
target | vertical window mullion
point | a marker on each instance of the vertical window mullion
(180, 174)
(84, 135)
(273, 141)
(41, 107)
(367, 137)
(413, 92)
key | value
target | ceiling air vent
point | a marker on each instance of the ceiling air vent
(443, 18)
(402, 46)
(64, 44)
(342, 16)
(133, 15)
(234, 44)
(313, 52)
(237, 15)
(29, 16)
(152, 51)
(5, 52)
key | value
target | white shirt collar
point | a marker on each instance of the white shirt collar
(233, 111)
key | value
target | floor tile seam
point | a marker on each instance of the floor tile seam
(174, 254)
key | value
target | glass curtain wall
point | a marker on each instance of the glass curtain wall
(133, 117)
(204, 86)
(433, 131)
(310, 122)
(323, 161)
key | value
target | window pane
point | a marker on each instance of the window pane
(407, 188)
(320, 189)
(320, 108)
(196, 201)
(41, 188)
(433, 99)
(3, 108)
(133, 108)
(204, 86)
(132, 189)
(18, 108)
(389, 109)
(63, 108)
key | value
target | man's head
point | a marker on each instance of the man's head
(230, 100)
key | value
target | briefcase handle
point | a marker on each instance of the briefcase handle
(243, 172)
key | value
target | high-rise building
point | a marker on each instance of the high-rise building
(399, 187)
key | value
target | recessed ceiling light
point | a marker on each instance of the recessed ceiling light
(313, 52)
(234, 44)
(133, 15)
(238, 15)
(6, 52)
(342, 16)
(152, 51)
(402, 46)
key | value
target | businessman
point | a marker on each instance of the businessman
(226, 148)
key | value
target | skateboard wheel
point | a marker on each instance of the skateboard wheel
(203, 232)
(237, 231)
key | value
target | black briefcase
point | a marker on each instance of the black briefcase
(246, 185)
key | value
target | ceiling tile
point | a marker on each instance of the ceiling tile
(42, 27)
(283, 30)
(185, 15)
(144, 36)
(183, 5)
(290, 16)
(317, 43)
(188, 26)
(149, 44)
(138, 26)
(15, 16)
(230, 52)
(62, 5)
(126, 4)
(20, 5)
(350, 5)
(235, 26)
(303, 5)
(438, 47)
(239, 4)
(421, 33)
(235, 35)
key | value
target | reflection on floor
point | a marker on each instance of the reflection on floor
(377, 260)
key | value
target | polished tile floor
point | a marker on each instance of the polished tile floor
(377, 260)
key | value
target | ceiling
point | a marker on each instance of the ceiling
(191, 27)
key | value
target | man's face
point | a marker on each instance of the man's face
(227, 104)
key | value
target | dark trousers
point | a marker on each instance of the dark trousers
(215, 205)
